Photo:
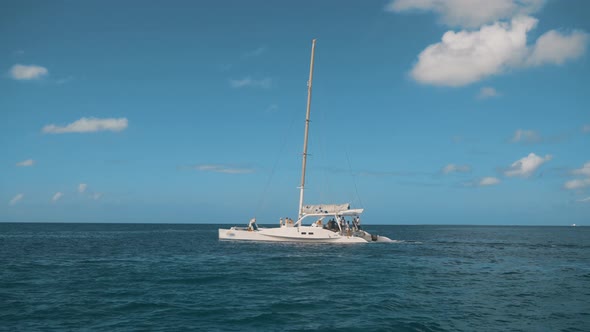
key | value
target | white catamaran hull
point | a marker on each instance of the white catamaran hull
(307, 234)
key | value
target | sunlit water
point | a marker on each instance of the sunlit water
(122, 277)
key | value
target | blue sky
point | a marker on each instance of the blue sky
(424, 112)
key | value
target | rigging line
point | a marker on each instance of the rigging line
(353, 179)
(275, 164)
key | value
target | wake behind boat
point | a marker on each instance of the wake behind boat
(330, 223)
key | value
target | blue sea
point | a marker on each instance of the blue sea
(165, 277)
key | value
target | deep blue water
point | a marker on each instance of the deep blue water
(123, 277)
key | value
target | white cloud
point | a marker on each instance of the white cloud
(585, 170)
(64, 80)
(482, 182)
(488, 181)
(223, 169)
(487, 92)
(468, 56)
(452, 168)
(556, 48)
(264, 83)
(526, 166)
(584, 200)
(526, 136)
(586, 128)
(24, 72)
(26, 163)
(88, 125)
(469, 13)
(96, 196)
(254, 53)
(465, 57)
(82, 187)
(16, 199)
(577, 183)
(56, 196)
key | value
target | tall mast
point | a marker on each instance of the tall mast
(306, 130)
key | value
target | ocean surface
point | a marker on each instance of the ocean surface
(164, 277)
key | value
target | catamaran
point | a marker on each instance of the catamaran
(330, 223)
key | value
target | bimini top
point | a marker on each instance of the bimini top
(336, 209)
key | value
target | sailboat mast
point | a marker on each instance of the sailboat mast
(303, 164)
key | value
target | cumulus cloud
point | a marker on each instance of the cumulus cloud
(468, 56)
(584, 200)
(56, 196)
(30, 72)
(526, 136)
(488, 181)
(88, 125)
(556, 48)
(465, 57)
(16, 199)
(526, 166)
(577, 184)
(26, 163)
(452, 168)
(223, 169)
(487, 92)
(82, 187)
(264, 83)
(468, 13)
(585, 170)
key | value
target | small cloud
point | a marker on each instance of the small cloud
(264, 83)
(586, 128)
(88, 125)
(26, 163)
(584, 200)
(64, 80)
(483, 182)
(19, 52)
(82, 187)
(585, 170)
(24, 72)
(254, 53)
(526, 136)
(16, 199)
(96, 196)
(488, 181)
(56, 196)
(577, 184)
(452, 168)
(487, 92)
(222, 169)
(526, 166)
